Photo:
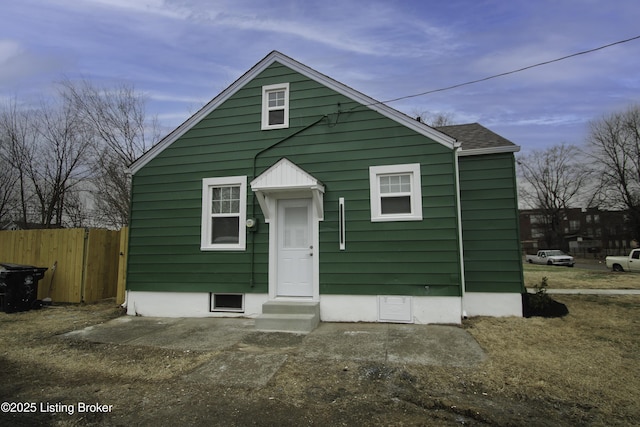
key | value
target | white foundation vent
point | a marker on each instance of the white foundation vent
(395, 308)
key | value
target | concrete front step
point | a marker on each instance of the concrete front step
(291, 307)
(288, 316)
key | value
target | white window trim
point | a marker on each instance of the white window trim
(207, 184)
(265, 106)
(214, 309)
(375, 172)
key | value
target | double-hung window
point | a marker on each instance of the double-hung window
(224, 206)
(395, 192)
(275, 106)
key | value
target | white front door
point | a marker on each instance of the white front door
(295, 248)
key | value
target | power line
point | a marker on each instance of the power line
(584, 52)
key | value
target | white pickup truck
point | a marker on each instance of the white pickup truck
(551, 257)
(625, 263)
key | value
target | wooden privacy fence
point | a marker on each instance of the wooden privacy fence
(90, 264)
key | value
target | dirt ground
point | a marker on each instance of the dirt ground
(577, 370)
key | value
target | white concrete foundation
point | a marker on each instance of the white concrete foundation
(333, 308)
(492, 304)
(186, 304)
(364, 308)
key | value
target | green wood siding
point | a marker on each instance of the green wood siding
(492, 256)
(380, 258)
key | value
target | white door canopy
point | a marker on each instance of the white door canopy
(286, 180)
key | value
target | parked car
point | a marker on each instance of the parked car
(551, 257)
(625, 263)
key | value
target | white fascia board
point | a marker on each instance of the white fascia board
(275, 56)
(490, 150)
(285, 188)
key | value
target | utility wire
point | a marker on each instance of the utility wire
(584, 52)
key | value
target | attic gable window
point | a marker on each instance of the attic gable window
(396, 193)
(275, 106)
(224, 206)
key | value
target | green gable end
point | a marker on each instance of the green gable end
(346, 139)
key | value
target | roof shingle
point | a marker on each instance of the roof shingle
(474, 136)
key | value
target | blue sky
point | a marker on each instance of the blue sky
(182, 53)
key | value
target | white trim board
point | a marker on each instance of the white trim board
(488, 150)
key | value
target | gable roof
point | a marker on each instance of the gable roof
(296, 66)
(285, 175)
(477, 139)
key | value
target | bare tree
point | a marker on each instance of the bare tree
(18, 137)
(118, 119)
(76, 212)
(614, 142)
(80, 143)
(61, 160)
(8, 193)
(46, 151)
(551, 181)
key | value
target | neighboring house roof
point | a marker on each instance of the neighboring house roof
(9, 225)
(477, 139)
(276, 56)
(21, 225)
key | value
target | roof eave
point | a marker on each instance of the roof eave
(368, 102)
(201, 114)
(489, 150)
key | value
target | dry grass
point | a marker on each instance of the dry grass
(577, 278)
(589, 356)
(589, 359)
(578, 370)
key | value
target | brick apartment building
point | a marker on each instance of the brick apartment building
(585, 232)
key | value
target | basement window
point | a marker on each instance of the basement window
(227, 302)
(275, 106)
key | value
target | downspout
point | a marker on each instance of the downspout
(463, 284)
(254, 201)
(517, 217)
(129, 175)
(275, 144)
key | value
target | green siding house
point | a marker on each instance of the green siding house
(292, 198)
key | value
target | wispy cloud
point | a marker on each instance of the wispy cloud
(148, 7)
(182, 53)
(18, 64)
(9, 49)
(173, 98)
(369, 29)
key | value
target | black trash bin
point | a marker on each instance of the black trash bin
(19, 286)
